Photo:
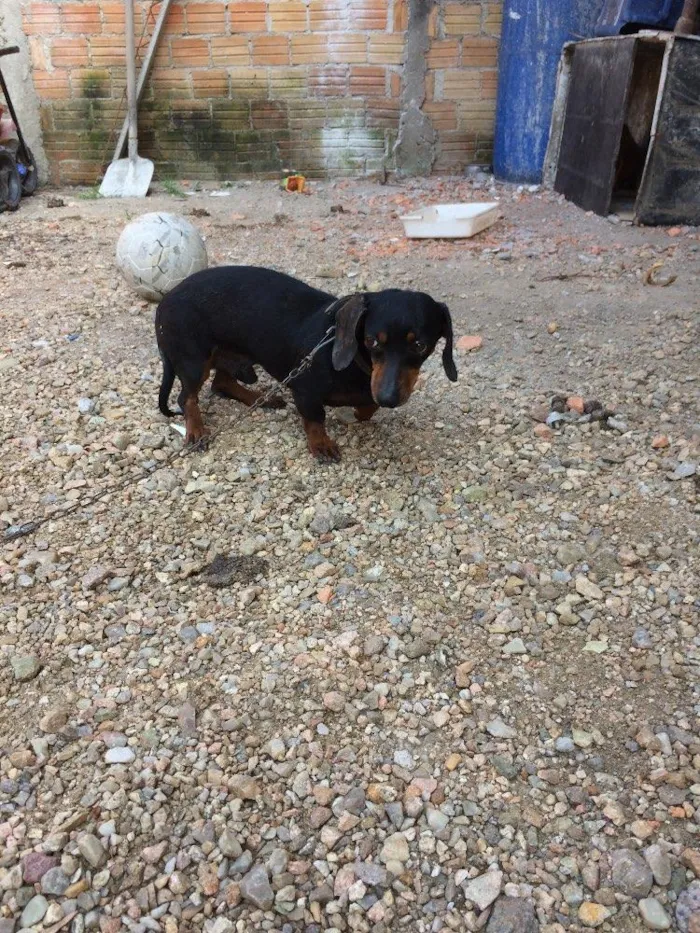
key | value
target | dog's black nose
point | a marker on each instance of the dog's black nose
(388, 398)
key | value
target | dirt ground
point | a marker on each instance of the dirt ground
(452, 683)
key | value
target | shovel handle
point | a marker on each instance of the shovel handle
(686, 21)
(10, 50)
(131, 78)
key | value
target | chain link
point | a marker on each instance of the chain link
(28, 528)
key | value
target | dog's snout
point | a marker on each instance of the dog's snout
(388, 397)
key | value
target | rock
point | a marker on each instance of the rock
(684, 471)
(691, 859)
(35, 865)
(25, 667)
(55, 882)
(588, 589)
(660, 864)
(630, 873)
(334, 701)
(395, 849)
(653, 914)
(243, 787)
(92, 850)
(229, 844)
(255, 888)
(119, 756)
(95, 576)
(34, 912)
(642, 639)
(404, 759)
(516, 646)
(462, 674)
(660, 441)
(483, 890)
(593, 915)
(687, 905)
(513, 915)
(469, 343)
(499, 730)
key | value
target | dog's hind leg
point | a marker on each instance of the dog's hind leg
(193, 374)
(224, 384)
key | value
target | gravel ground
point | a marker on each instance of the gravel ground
(450, 684)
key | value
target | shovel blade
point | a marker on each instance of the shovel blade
(127, 178)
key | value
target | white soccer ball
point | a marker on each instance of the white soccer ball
(158, 251)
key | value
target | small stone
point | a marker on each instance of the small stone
(255, 888)
(593, 915)
(25, 667)
(587, 589)
(243, 787)
(513, 915)
(35, 865)
(404, 759)
(691, 859)
(85, 405)
(395, 849)
(576, 403)
(653, 914)
(499, 730)
(642, 829)
(453, 761)
(660, 864)
(544, 432)
(55, 882)
(53, 720)
(469, 343)
(334, 701)
(95, 576)
(564, 744)
(516, 646)
(688, 906)
(630, 873)
(319, 816)
(462, 674)
(119, 756)
(659, 442)
(642, 639)
(92, 850)
(684, 470)
(483, 890)
(582, 739)
(34, 912)
(552, 327)
(229, 844)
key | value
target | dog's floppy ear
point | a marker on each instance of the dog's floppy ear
(448, 361)
(347, 317)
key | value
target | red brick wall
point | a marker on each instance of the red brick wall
(258, 86)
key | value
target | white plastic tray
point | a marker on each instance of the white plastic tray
(450, 221)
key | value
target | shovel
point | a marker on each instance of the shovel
(129, 178)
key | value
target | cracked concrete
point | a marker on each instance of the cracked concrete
(416, 147)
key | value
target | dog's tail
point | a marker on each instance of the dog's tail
(166, 386)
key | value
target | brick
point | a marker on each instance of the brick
(230, 50)
(476, 116)
(51, 85)
(461, 85)
(206, 18)
(443, 115)
(329, 81)
(248, 82)
(190, 52)
(288, 16)
(91, 84)
(247, 16)
(368, 81)
(268, 115)
(461, 20)
(332, 15)
(383, 113)
(231, 114)
(288, 83)
(481, 52)
(394, 84)
(443, 53)
(37, 51)
(44, 19)
(493, 20)
(386, 49)
(106, 51)
(400, 16)
(113, 17)
(69, 53)
(210, 83)
(81, 18)
(174, 25)
(347, 48)
(271, 50)
(171, 82)
(489, 84)
(309, 49)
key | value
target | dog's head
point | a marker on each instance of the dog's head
(396, 331)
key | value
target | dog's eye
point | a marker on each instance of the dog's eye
(419, 347)
(371, 343)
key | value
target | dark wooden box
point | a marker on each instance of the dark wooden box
(626, 127)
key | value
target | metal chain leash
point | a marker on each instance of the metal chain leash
(28, 528)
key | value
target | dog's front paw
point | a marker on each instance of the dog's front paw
(325, 450)
(275, 401)
(198, 440)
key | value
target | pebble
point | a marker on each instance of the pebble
(630, 873)
(92, 850)
(34, 912)
(653, 914)
(255, 887)
(25, 667)
(119, 756)
(483, 890)
(499, 730)
(513, 915)
(593, 915)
